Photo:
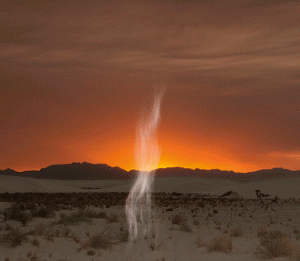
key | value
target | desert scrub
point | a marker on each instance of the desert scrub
(14, 238)
(261, 231)
(103, 240)
(78, 217)
(112, 218)
(199, 241)
(185, 227)
(196, 221)
(39, 229)
(220, 244)
(90, 252)
(123, 234)
(177, 219)
(236, 232)
(274, 244)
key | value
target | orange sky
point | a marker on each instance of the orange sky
(75, 76)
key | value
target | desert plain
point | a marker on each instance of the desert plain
(193, 219)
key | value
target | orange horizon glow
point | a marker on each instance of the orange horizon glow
(74, 84)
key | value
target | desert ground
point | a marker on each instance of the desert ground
(192, 219)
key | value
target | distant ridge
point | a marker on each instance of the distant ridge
(89, 171)
(74, 171)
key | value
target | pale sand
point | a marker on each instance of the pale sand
(283, 188)
(171, 243)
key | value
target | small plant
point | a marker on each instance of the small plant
(177, 219)
(14, 238)
(90, 252)
(49, 235)
(152, 246)
(40, 228)
(35, 242)
(76, 217)
(274, 244)
(8, 227)
(199, 241)
(103, 240)
(66, 232)
(220, 244)
(296, 231)
(261, 231)
(113, 218)
(185, 227)
(123, 235)
(196, 221)
(76, 239)
(44, 213)
(237, 232)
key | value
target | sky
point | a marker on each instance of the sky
(75, 76)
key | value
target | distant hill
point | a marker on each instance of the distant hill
(264, 174)
(74, 171)
(88, 171)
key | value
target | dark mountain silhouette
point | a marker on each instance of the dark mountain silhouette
(88, 171)
(74, 171)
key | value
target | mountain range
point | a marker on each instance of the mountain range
(88, 171)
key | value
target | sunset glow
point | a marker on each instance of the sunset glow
(73, 83)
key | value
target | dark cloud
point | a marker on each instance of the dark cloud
(237, 61)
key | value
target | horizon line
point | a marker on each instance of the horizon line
(150, 170)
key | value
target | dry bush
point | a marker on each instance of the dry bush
(236, 232)
(35, 242)
(220, 244)
(103, 240)
(40, 228)
(196, 221)
(185, 227)
(90, 252)
(274, 244)
(112, 218)
(76, 218)
(199, 242)
(49, 235)
(14, 238)
(123, 235)
(261, 231)
(177, 219)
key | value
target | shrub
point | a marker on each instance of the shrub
(261, 231)
(35, 242)
(196, 221)
(220, 244)
(90, 252)
(76, 218)
(199, 241)
(112, 218)
(185, 227)
(44, 213)
(123, 235)
(14, 238)
(49, 235)
(103, 240)
(39, 229)
(237, 232)
(274, 244)
(177, 219)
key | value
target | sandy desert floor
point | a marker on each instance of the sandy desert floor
(182, 229)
